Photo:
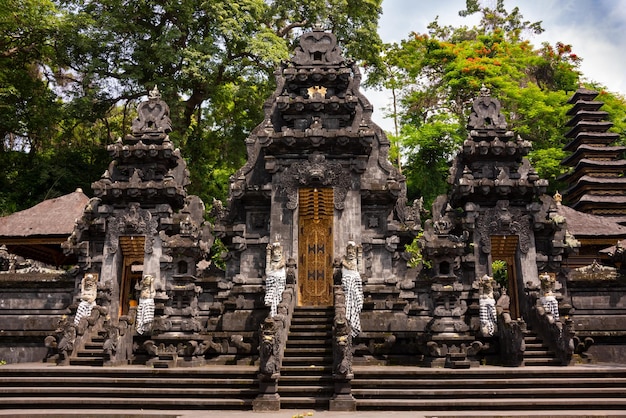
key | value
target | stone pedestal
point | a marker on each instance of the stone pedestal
(342, 399)
(268, 398)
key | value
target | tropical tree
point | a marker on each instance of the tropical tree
(441, 71)
(76, 68)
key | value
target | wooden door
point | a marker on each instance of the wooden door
(315, 248)
(504, 247)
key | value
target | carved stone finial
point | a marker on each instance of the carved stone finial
(558, 198)
(154, 93)
(318, 48)
(153, 116)
(486, 113)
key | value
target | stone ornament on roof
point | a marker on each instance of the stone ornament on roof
(152, 115)
(318, 48)
(486, 113)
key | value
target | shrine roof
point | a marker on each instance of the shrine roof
(590, 151)
(586, 225)
(52, 217)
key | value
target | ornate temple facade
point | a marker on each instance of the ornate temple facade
(316, 226)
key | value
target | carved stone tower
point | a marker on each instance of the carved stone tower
(142, 222)
(317, 177)
(496, 210)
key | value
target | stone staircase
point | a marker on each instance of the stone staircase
(92, 352)
(486, 388)
(128, 388)
(537, 352)
(490, 388)
(306, 373)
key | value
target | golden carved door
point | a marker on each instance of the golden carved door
(315, 248)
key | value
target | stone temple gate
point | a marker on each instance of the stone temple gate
(316, 226)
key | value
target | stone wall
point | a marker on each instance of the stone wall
(30, 307)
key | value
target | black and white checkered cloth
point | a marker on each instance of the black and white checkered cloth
(487, 312)
(83, 310)
(551, 305)
(274, 287)
(353, 290)
(145, 315)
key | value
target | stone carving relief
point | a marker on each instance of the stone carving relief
(316, 172)
(504, 220)
(135, 221)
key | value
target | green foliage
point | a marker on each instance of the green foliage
(499, 269)
(415, 250)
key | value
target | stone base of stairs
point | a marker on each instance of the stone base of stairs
(531, 389)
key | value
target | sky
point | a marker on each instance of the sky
(596, 29)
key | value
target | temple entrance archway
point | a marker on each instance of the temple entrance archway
(504, 247)
(132, 269)
(315, 248)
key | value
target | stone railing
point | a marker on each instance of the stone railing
(511, 336)
(342, 399)
(272, 341)
(557, 332)
(118, 340)
(510, 333)
(68, 338)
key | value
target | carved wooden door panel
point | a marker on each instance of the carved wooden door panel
(315, 248)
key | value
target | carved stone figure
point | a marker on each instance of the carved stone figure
(88, 294)
(276, 276)
(548, 299)
(269, 346)
(352, 285)
(487, 306)
(145, 309)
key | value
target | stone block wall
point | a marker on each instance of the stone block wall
(30, 307)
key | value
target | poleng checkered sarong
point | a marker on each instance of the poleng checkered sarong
(145, 314)
(274, 287)
(353, 290)
(83, 310)
(551, 305)
(487, 312)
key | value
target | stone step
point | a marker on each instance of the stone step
(143, 402)
(505, 404)
(87, 390)
(311, 402)
(309, 335)
(319, 379)
(299, 349)
(131, 382)
(307, 361)
(90, 353)
(87, 361)
(539, 353)
(477, 392)
(391, 382)
(307, 343)
(316, 370)
(309, 327)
